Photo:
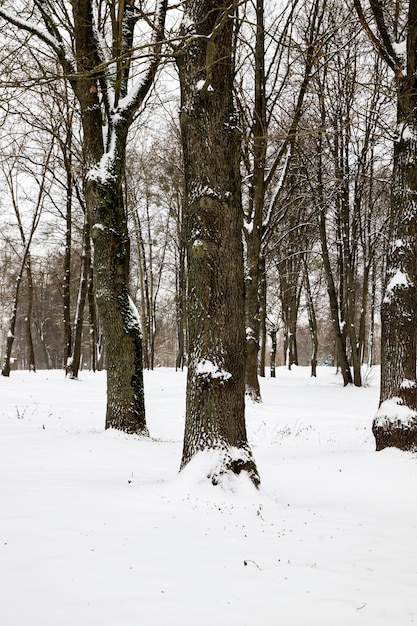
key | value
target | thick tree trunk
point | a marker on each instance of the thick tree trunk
(121, 324)
(108, 223)
(395, 423)
(215, 411)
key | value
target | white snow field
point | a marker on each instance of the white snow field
(98, 529)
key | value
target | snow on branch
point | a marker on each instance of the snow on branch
(34, 29)
(141, 85)
(278, 187)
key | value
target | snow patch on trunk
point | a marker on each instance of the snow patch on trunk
(208, 369)
(394, 411)
(400, 280)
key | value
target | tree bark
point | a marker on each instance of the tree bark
(273, 351)
(257, 199)
(312, 321)
(395, 423)
(262, 318)
(81, 300)
(215, 407)
(106, 213)
(66, 282)
(99, 74)
(340, 344)
(29, 314)
(334, 308)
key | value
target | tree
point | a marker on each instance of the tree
(215, 406)
(395, 423)
(151, 195)
(342, 152)
(269, 140)
(110, 82)
(40, 183)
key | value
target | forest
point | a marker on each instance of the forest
(222, 187)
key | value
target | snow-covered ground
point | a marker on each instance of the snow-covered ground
(98, 529)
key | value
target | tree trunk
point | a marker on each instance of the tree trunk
(66, 283)
(395, 423)
(273, 352)
(6, 366)
(107, 216)
(334, 308)
(82, 296)
(29, 314)
(262, 319)
(215, 407)
(181, 303)
(144, 292)
(312, 321)
(92, 315)
(120, 319)
(255, 214)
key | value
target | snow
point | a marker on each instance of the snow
(103, 171)
(32, 27)
(200, 191)
(202, 84)
(400, 48)
(406, 132)
(208, 369)
(400, 280)
(408, 384)
(134, 317)
(97, 527)
(394, 411)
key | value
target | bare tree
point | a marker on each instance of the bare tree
(40, 181)
(110, 79)
(269, 141)
(215, 413)
(395, 423)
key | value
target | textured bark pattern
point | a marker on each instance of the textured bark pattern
(334, 308)
(395, 435)
(399, 307)
(125, 399)
(108, 223)
(257, 201)
(215, 415)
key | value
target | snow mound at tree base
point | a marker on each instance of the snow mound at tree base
(232, 469)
